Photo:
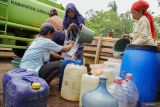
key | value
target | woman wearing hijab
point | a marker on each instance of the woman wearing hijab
(73, 17)
(144, 31)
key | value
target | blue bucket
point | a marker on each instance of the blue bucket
(143, 62)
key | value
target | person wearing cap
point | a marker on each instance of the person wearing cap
(37, 54)
(144, 31)
(110, 33)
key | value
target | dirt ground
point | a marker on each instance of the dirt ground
(54, 97)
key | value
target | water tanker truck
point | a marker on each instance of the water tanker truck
(20, 21)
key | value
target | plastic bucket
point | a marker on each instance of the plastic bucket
(85, 34)
(120, 46)
(143, 62)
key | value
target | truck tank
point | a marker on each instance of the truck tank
(21, 19)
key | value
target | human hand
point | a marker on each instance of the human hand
(62, 58)
(70, 42)
(71, 26)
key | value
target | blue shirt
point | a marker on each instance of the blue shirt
(38, 53)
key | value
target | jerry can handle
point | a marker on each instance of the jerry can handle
(18, 70)
(27, 79)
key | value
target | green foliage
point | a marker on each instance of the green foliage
(157, 25)
(113, 6)
(102, 21)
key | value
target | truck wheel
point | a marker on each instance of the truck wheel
(20, 52)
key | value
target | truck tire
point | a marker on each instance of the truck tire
(20, 52)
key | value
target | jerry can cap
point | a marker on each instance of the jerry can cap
(36, 85)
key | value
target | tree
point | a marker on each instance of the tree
(157, 25)
(113, 6)
(102, 21)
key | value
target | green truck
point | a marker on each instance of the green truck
(20, 21)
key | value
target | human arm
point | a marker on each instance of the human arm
(69, 30)
(52, 46)
(56, 56)
(68, 46)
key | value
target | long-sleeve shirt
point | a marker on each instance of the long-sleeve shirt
(142, 32)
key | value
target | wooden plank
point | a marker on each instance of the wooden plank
(90, 52)
(106, 54)
(101, 61)
(98, 50)
(108, 44)
(108, 50)
(89, 55)
(109, 39)
(90, 45)
(90, 48)
(104, 58)
(94, 42)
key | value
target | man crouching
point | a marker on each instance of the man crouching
(38, 53)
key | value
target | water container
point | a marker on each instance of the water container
(120, 46)
(109, 74)
(115, 64)
(88, 82)
(143, 62)
(116, 90)
(28, 91)
(72, 81)
(64, 64)
(130, 90)
(99, 97)
(96, 68)
(152, 104)
(15, 73)
(85, 35)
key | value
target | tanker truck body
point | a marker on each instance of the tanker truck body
(20, 21)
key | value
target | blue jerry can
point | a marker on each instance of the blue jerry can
(28, 91)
